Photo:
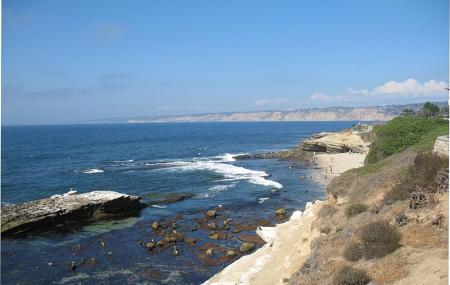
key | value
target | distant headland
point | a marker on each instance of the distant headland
(369, 113)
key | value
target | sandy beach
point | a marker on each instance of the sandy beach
(288, 244)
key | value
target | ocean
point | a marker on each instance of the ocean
(148, 160)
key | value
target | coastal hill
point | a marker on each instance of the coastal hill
(374, 113)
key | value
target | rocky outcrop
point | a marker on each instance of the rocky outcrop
(67, 209)
(335, 143)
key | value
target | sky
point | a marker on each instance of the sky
(68, 61)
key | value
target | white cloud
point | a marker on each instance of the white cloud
(320, 97)
(410, 86)
(390, 90)
(266, 101)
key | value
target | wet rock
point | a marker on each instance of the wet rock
(231, 253)
(72, 266)
(150, 245)
(191, 241)
(262, 222)
(209, 251)
(251, 226)
(247, 247)
(42, 214)
(214, 236)
(175, 251)
(160, 243)
(211, 213)
(212, 226)
(169, 198)
(255, 239)
(156, 225)
(280, 212)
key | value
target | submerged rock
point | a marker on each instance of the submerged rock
(247, 247)
(67, 209)
(167, 198)
(155, 225)
(280, 212)
(214, 236)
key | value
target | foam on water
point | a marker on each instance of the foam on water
(159, 206)
(229, 171)
(93, 170)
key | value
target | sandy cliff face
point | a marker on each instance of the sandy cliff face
(326, 114)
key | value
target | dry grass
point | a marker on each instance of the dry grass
(421, 236)
(355, 209)
(389, 269)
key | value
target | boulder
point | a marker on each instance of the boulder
(211, 213)
(66, 210)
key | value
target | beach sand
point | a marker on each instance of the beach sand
(332, 165)
(288, 244)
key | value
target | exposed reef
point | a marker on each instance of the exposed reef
(64, 210)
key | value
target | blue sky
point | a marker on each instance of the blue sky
(69, 61)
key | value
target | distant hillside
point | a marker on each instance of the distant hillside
(376, 113)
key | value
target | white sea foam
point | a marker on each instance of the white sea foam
(261, 200)
(229, 171)
(122, 161)
(93, 170)
(159, 206)
(227, 157)
(221, 188)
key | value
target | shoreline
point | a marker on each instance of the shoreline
(276, 261)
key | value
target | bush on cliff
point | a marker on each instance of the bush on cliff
(352, 251)
(379, 238)
(403, 132)
(355, 209)
(348, 275)
(420, 177)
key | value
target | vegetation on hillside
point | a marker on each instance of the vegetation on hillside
(400, 133)
(421, 179)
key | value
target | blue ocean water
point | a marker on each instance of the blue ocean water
(143, 159)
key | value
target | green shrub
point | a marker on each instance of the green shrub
(355, 209)
(403, 132)
(352, 251)
(348, 275)
(379, 238)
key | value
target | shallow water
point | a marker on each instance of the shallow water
(40, 161)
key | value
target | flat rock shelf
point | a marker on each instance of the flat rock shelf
(67, 209)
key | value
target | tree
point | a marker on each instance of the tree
(408, 112)
(430, 109)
